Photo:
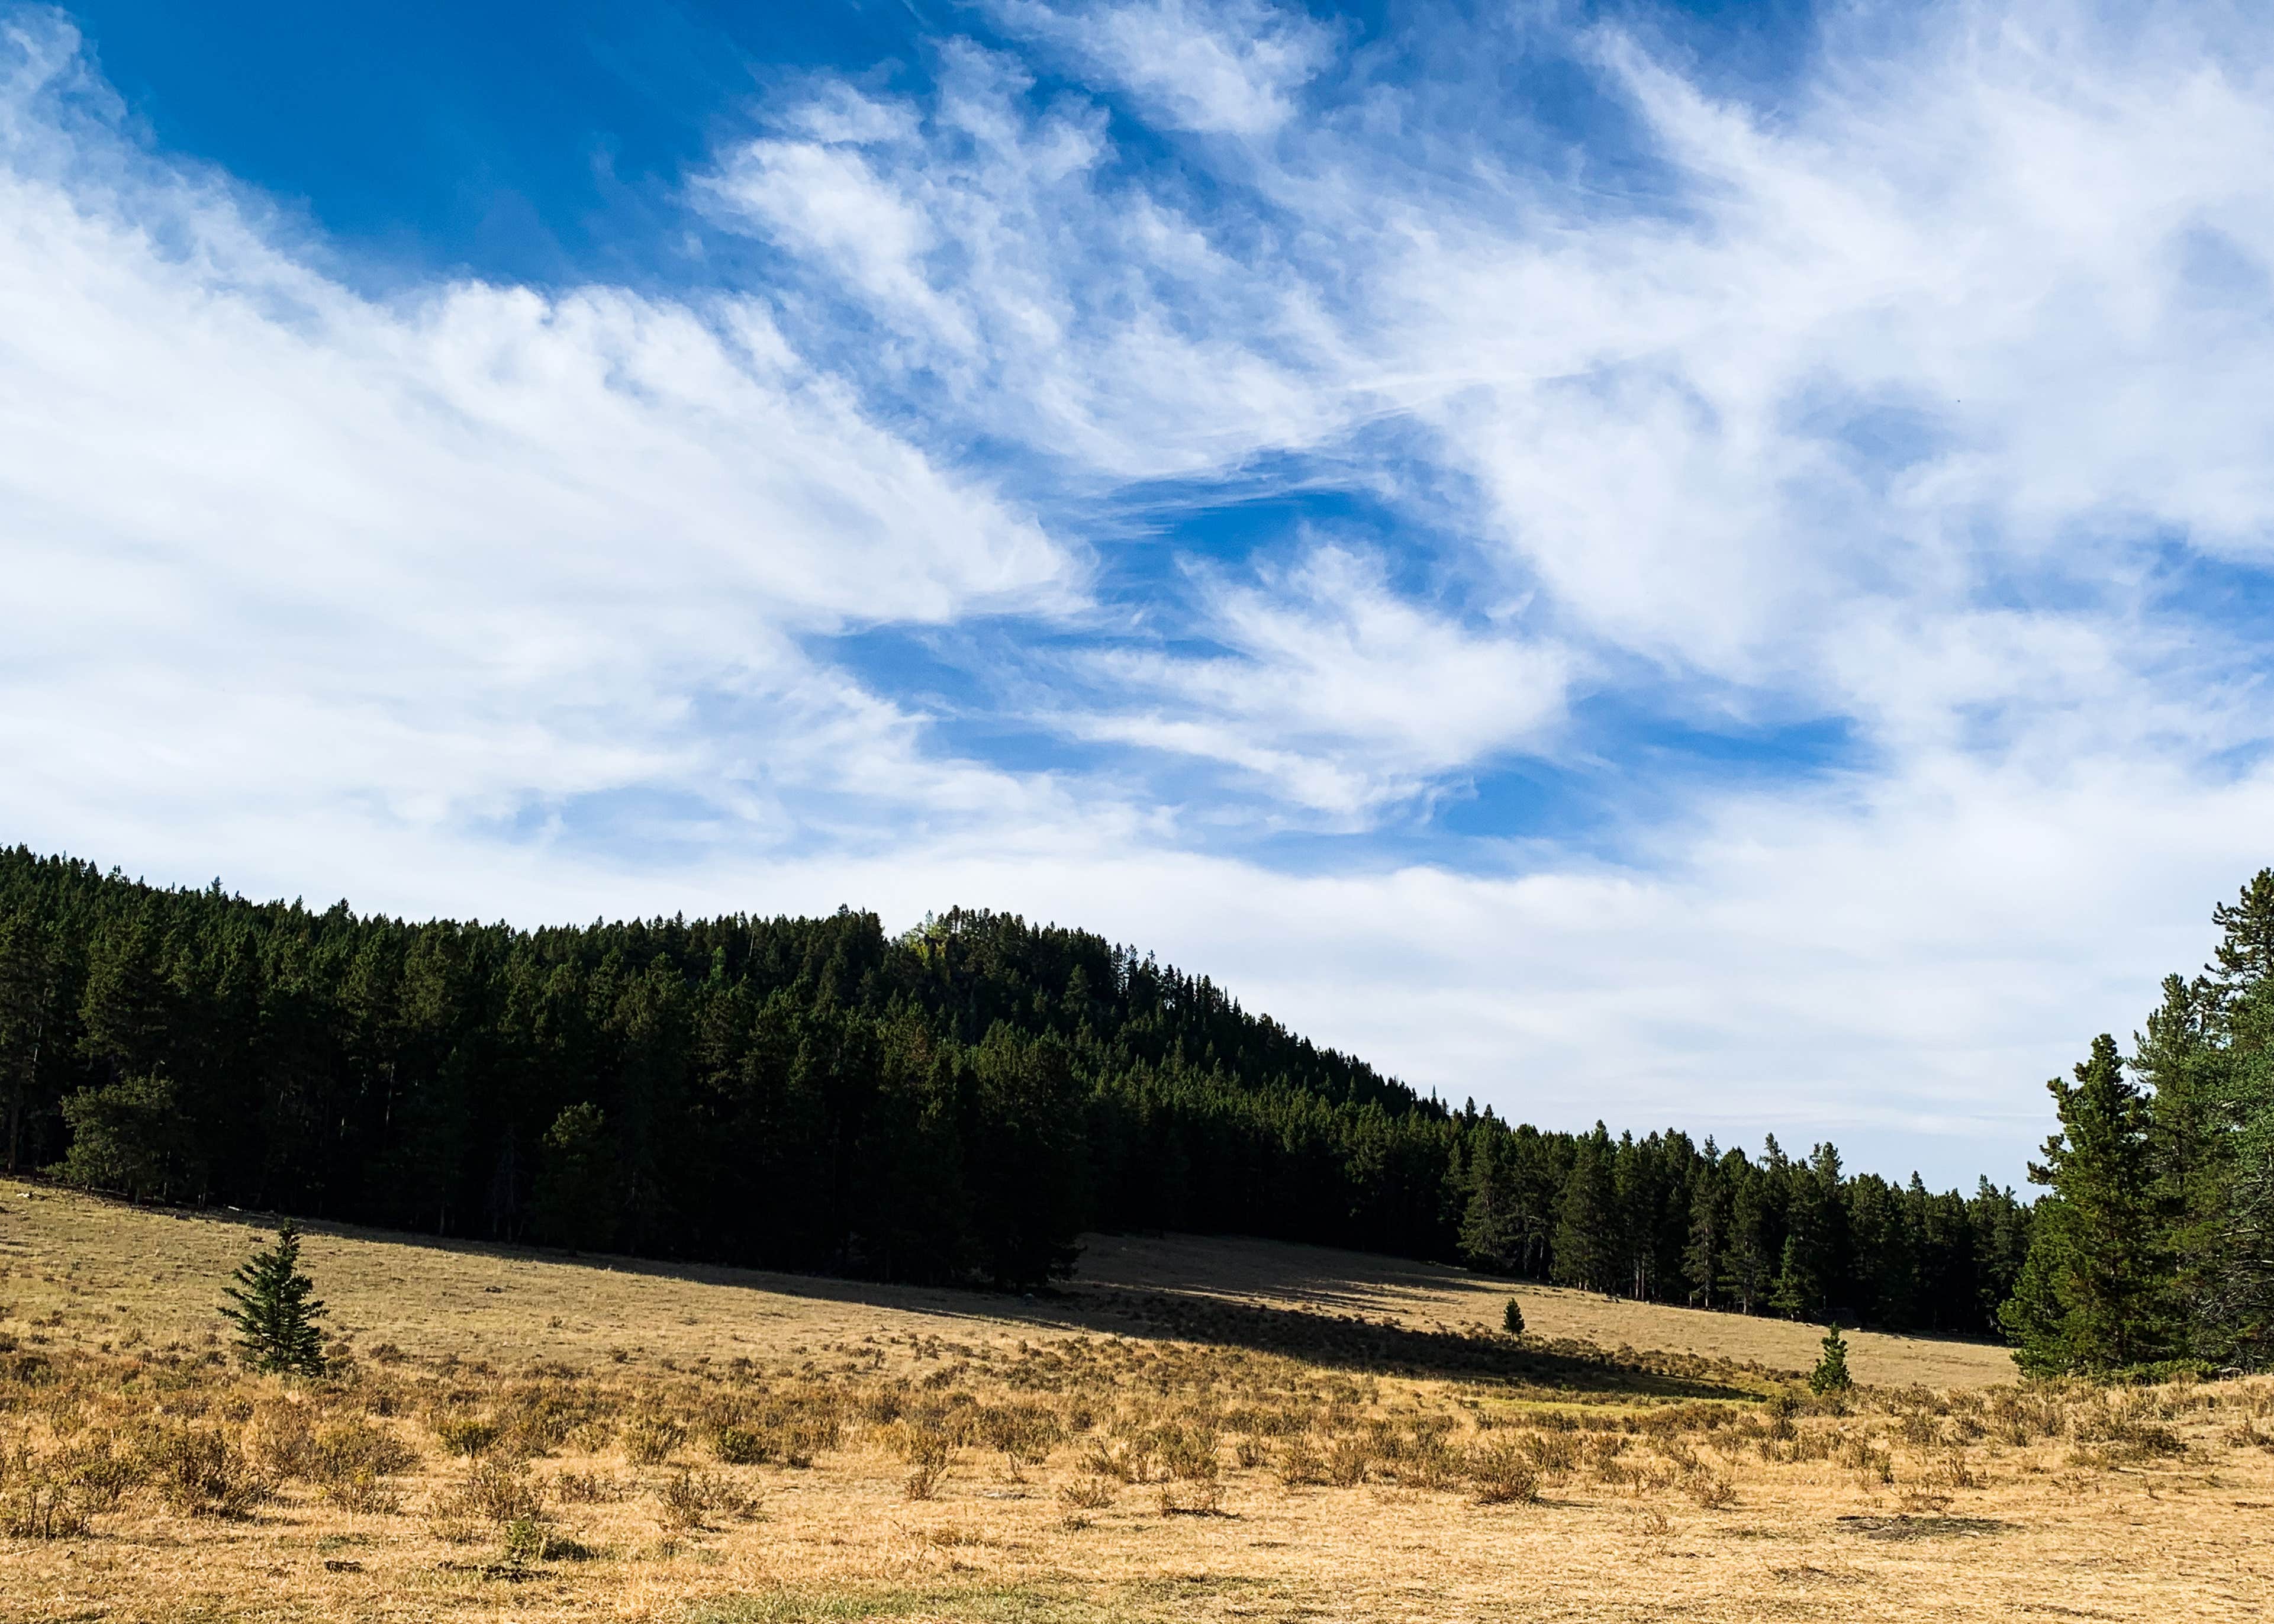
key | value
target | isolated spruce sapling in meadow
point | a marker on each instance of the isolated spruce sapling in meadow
(273, 1312)
(1511, 1318)
(1831, 1373)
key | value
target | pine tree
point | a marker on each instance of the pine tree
(2232, 1274)
(1492, 1233)
(27, 997)
(129, 1139)
(1807, 1266)
(1999, 1222)
(275, 1315)
(1709, 1230)
(1511, 1318)
(2091, 1297)
(1749, 1266)
(123, 1012)
(1831, 1373)
(2237, 1306)
(2190, 1129)
(1587, 1249)
(576, 1196)
(2223, 1230)
(2245, 954)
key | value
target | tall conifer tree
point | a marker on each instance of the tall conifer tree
(1703, 1258)
(1492, 1229)
(2092, 1296)
(1587, 1249)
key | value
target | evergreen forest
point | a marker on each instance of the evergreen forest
(961, 1101)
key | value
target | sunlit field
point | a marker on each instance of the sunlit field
(1193, 1429)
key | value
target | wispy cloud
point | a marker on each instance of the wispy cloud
(1337, 693)
(1217, 67)
(1918, 394)
(1004, 277)
(465, 557)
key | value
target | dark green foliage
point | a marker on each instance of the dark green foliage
(2091, 1295)
(1812, 1244)
(128, 1138)
(1749, 1263)
(1831, 1373)
(274, 1312)
(576, 1194)
(1492, 1223)
(2235, 1302)
(2222, 1195)
(1025, 1147)
(1588, 1249)
(27, 994)
(1705, 1255)
(955, 1104)
(1511, 1318)
(2244, 958)
(2157, 1243)
(2189, 1072)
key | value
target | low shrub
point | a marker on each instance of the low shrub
(199, 1473)
(468, 1435)
(1502, 1473)
(1300, 1463)
(586, 1489)
(1089, 1493)
(30, 1509)
(495, 1492)
(650, 1439)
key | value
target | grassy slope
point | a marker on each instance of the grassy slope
(134, 1270)
(1991, 1504)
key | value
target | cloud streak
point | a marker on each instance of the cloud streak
(468, 556)
(1324, 674)
(1914, 398)
(1223, 69)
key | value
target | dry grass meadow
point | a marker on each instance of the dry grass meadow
(1194, 1430)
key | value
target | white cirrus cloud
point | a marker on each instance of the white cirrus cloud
(461, 556)
(1000, 276)
(1215, 67)
(1337, 691)
(1916, 397)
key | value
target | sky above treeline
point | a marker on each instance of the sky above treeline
(1687, 564)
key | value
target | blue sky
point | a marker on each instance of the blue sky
(1684, 564)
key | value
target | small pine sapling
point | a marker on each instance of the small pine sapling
(1511, 1318)
(275, 1315)
(1831, 1373)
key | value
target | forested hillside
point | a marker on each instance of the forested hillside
(956, 1102)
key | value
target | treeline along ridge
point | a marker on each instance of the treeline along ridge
(962, 1101)
(813, 1093)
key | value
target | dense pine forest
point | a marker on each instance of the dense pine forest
(961, 1101)
(958, 1102)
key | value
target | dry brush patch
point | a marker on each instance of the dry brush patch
(1149, 1455)
(1058, 1481)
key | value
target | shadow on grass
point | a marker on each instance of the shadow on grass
(1349, 1341)
(1381, 1346)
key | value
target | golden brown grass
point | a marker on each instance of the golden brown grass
(809, 1450)
(137, 1277)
